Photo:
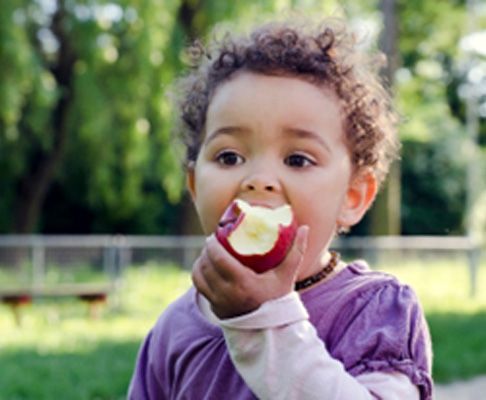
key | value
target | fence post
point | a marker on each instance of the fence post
(474, 256)
(190, 251)
(38, 262)
(109, 260)
(124, 254)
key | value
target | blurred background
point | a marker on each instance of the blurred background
(92, 199)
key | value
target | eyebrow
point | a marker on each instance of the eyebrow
(306, 134)
(226, 130)
(289, 130)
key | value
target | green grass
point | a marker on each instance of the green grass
(457, 320)
(59, 353)
(22, 275)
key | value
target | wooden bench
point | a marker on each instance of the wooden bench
(93, 294)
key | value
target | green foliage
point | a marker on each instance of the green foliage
(120, 169)
(117, 115)
(121, 128)
(85, 82)
(435, 139)
(427, 29)
(433, 186)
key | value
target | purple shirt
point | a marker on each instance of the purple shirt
(367, 320)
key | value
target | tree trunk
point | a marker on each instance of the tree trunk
(33, 187)
(186, 17)
(385, 215)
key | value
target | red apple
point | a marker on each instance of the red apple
(259, 237)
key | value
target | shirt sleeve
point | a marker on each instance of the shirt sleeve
(386, 329)
(144, 383)
(265, 344)
(389, 385)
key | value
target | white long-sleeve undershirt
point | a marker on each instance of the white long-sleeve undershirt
(277, 352)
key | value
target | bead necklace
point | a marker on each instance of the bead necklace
(319, 276)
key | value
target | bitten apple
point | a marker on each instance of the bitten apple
(259, 237)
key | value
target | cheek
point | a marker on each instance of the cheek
(213, 194)
(208, 216)
(322, 199)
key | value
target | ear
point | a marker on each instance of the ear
(191, 180)
(359, 197)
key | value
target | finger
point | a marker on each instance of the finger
(199, 276)
(211, 277)
(200, 283)
(227, 266)
(293, 261)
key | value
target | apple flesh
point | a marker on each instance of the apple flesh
(259, 237)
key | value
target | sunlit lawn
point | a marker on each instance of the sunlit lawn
(60, 353)
(457, 320)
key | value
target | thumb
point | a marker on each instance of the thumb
(293, 261)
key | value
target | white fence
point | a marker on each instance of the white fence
(31, 260)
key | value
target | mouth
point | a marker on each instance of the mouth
(233, 214)
(227, 221)
(260, 204)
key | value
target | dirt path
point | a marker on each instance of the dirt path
(474, 389)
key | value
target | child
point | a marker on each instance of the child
(287, 115)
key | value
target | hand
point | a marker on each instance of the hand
(233, 289)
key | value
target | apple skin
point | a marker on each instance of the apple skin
(232, 218)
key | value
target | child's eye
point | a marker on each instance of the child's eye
(229, 158)
(298, 161)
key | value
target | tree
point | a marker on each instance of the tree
(83, 95)
(85, 143)
(385, 213)
(434, 127)
(84, 121)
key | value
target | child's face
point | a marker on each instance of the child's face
(272, 140)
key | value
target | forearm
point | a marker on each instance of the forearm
(267, 367)
(279, 355)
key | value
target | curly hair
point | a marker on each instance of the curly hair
(326, 55)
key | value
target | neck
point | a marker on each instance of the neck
(314, 266)
(327, 269)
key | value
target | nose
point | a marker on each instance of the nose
(263, 181)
